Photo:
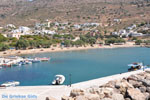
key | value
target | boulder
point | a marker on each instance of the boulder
(147, 77)
(81, 98)
(123, 86)
(143, 74)
(146, 82)
(142, 89)
(50, 98)
(140, 77)
(135, 94)
(127, 99)
(106, 92)
(67, 98)
(92, 96)
(117, 96)
(76, 92)
(132, 77)
(106, 99)
(148, 89)
(117, 91)
(147, 95)
(94, 90)
(110, 84)
(135, 84)
(147, 71)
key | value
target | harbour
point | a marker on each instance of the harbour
(93, 61)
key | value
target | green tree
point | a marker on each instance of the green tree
(2, 38)
(22, 44)
(46, 44)
(134, 38)
(114, 40)
(83, 38)
(79, 43)
(92, 40)
(3, 47)
(138, 42)
(32, 43)
(67, 43)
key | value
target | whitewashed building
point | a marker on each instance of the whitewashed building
(17, 33)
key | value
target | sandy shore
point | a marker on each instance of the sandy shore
(58, 49)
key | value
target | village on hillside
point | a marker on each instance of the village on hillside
(68, 34)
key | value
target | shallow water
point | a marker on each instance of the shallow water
(82, 65)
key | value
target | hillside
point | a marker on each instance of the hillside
(28, 12)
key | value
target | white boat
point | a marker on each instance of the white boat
(1, 67)
(58, 80)
(136, 66)
(10, 83)
(43, 59)
(28, 62)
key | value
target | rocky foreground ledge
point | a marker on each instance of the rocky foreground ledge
(134, 87)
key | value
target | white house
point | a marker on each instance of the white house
(22, 29)
(131, 27)
(16, 35)
(76, 26)
(117, 20)
(10, 26)
(48, 32)
(64, 33)
(135, 34)
(115, 33)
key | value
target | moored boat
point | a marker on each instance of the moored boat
(136, 66)
(28, 62)
(11, 83)
(43, 59)
(58, 80)
(35, 60)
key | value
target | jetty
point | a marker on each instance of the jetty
(57, 92)
(18, 61)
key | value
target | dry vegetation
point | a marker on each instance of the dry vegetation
(23, 12)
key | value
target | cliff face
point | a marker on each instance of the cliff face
(135, 87)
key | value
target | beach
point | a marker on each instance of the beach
(60, 49)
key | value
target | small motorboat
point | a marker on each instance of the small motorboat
(43, 59)
(28, 62)
(35, 60)
(58, 80)
(17, 64)
(11, 84)
(136, 66)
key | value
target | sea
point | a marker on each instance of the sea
(76, 66)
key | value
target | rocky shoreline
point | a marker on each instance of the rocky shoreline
(134, 87)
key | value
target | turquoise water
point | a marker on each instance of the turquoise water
(82, 65)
